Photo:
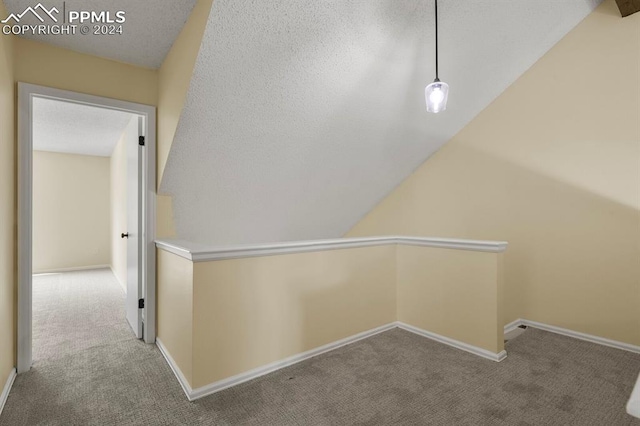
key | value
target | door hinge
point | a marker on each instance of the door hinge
(140, 303)
(141, 140)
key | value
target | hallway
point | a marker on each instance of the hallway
(75, 312)
(88, 367)
(90, 370)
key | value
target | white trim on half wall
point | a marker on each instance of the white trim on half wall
(196, 252)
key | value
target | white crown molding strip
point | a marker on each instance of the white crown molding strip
(7, 388)
(199, 253)
(454, 343)
(74, 269)
(633, 406)
(186, 387)
(575, 334)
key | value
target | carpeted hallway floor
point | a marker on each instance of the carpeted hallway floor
(89, 369)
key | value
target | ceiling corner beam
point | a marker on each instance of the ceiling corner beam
(628, 7)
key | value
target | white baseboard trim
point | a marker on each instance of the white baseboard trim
(193, 394)
(74, 269)
(124, 287)
(575, 334)
(454, 343)
(512, 325)
(186, 387)
(266, 369)
(7, 388)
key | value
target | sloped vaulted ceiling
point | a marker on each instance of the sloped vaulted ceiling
(302, 115)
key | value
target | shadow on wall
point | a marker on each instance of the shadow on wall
(254, 311)
(328, 298)
(573, 254)
(319, 299)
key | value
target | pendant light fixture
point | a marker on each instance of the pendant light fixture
(436, 93)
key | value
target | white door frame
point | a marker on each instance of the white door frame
(26, 93)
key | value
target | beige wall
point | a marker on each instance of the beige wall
(46, 65)
(71, 213)
(174, 78)
(51, 66)
(553, 167)
(251, 312)
(175, 309)
(174, 274)
(118, 198)
(453, 293)
(246, 313)
(221, 318)
(38, 63)
(7, 207)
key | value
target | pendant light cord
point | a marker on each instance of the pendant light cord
(436, 9)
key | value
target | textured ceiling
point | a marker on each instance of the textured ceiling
(76, 129)
(149, 31)
(302, 115)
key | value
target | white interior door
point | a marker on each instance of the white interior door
(135, 229)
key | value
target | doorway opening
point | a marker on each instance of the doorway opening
(62, 222)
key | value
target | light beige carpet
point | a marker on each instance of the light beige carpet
(89, 369)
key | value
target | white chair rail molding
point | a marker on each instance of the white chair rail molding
(230, 314)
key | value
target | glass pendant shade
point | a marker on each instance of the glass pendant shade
(436, 95)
